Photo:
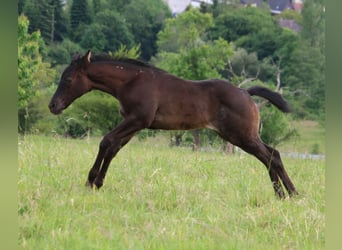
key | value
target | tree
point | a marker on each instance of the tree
(59, 27)
(313, 31)
(79, 16)
(107, 33)
(146, 19)
(188, 30)
(33, 72)
(29, 61)
(48, 17)
(61, 53)
(38, 14)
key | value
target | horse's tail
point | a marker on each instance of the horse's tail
(275, 98)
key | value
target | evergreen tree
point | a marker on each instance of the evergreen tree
(37, 11)
(79, 15)
(46, 16)
(58, 21)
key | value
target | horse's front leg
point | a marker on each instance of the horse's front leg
(109, 147)
(94, 171)
(110, 154)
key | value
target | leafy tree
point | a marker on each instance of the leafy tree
(33, 73)
(61, 53)
(94, 37)
(146, 18)
(186, 31)
(303, 72)
(29, 61)
(107, 33)
(275, 127)
(241, 22)
(94, 114)
(185, 51)
(313, 31)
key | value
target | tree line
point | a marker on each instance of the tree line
(245, 45)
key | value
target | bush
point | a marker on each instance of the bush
(95, 113)
(275, 127)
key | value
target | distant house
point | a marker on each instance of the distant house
(254, 3)
(297, 5)
(178, 6)
(278, 6)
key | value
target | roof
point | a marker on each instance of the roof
(278, 6)
(251, 2)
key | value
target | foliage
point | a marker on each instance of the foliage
(30, 63)
(61, 53)
(33, 73)
(300, 64)
(133, 52)
(107, 33)
(95, 114)
(193, 45)
(145, 25)
(185, 51)
(188, 30)
(275, 127)
(46, 16)
(314, 23)
(303, 72)
(79, 15)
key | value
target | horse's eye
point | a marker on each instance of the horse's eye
(68, 82)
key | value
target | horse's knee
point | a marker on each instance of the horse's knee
(105, 143)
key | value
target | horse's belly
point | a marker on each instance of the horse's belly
(180, 122)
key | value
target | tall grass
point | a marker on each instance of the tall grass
(156, 197)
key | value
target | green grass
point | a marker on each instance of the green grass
(310, 138)
(156, 197)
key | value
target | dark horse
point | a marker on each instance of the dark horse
(154, 99)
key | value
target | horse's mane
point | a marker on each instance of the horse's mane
(124, 60)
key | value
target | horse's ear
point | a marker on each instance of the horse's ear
(88, 56)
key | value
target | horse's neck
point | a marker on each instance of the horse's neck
(108, 78)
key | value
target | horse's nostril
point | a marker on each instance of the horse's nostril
(52, 105)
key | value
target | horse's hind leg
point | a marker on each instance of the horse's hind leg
(257, 148)
(282, 172)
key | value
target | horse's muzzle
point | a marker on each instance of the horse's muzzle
(56, 107)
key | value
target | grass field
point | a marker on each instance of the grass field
(156, 197)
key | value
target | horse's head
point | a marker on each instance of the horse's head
(73, 83)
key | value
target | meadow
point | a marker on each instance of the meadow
(157, 197)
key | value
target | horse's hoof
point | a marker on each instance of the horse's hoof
(98, 184)
(89, 184)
